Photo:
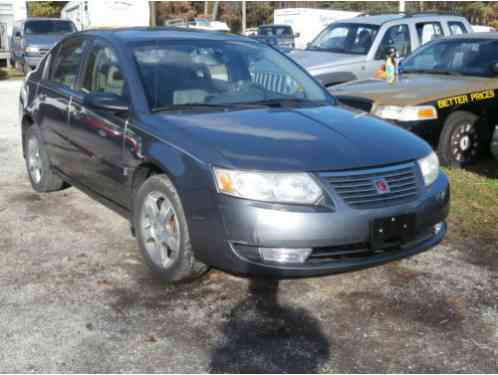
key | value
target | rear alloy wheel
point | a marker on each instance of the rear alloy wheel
(461, 141)
(43, 180)
(162, 232)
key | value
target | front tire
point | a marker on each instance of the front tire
(42, 179)
(162, 231)
(461, 140)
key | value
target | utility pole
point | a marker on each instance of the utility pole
(402, 7)
(206, 8)
(153, 13)
(215, 11)
(244, 20)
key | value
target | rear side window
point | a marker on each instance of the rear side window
(457, 28)
(103, 73)
(397, 37)
(66, 66)
(428, 31)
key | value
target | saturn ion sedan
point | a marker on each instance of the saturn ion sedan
(222, 152)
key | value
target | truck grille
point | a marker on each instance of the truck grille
(360, 189)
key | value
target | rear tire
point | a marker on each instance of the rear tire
(461, 141)
(162, 231)
(42, 179)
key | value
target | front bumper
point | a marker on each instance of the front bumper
(225, 236)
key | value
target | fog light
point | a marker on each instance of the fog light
(438, 228)
(284, 255)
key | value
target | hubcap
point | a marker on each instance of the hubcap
(160, 229)
(465, 143)
(34, 160)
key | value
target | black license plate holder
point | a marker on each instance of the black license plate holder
(392, 231)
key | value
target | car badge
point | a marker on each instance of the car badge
(382, 186)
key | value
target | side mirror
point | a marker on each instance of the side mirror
(106, 101)
(18, 35)
(297, 35)
(494, 68)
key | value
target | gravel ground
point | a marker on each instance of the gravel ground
(75, 296)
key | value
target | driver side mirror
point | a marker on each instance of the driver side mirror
(494, 68)
(297, 35)
(106, 101)
(18, 35)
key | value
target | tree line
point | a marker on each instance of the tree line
(477, 12)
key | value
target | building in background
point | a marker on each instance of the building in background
(107, 13)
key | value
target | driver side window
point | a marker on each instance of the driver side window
(103, 73)
(397, 37)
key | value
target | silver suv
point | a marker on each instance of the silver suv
(356, 48)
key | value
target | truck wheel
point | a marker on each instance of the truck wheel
(461, 140)
(162, 232)
(43, 180)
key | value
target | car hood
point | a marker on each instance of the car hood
(313, 139)
(317, 60)
(44, 40)
(413, 89)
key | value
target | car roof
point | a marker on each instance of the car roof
(381, 19)
(482, 35)
(139, 34)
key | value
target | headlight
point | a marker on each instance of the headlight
(276, 187)
(416, 113)
(429, 166)
(32, 49)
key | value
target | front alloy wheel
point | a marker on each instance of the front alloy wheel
(160, 229)
(35, 164)
(465, 143)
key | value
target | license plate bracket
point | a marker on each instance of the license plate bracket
(392, 231)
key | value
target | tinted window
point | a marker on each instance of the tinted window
(397, 37)
(103, 73)
(47, 27)
(466, 57)
(66, 65)
(428, 31)
(457, 28)
(346, 38)
(278, 31)
(220, 73)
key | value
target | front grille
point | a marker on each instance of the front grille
(356, 103)
(358, 188)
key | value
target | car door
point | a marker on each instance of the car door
(54, 95)
(99, 133)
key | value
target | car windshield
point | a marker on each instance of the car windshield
(349, 38)
(208, 74)
(48, 26)
(278, 31)
(471, 57)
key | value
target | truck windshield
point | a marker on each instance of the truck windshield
(209, 74)
(48, 27)
(472, 57)
(349, 38)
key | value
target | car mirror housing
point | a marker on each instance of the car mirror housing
(107, 101)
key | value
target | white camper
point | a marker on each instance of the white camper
(106, 13)
(10, 12)
(308, 22)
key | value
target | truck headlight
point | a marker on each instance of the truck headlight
(299, 188)
(408, 113)
(429, 166)
(32, 49)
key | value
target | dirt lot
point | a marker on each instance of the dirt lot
(74, 296)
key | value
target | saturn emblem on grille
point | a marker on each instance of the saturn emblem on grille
(382, 186)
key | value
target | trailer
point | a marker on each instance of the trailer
(106, 13)
(10, 12)
(308, 22)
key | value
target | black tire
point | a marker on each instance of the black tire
(184, 266)
(461, 141)
(48, 180)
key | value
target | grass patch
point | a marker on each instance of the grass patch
(474, 203)
(11, 73)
